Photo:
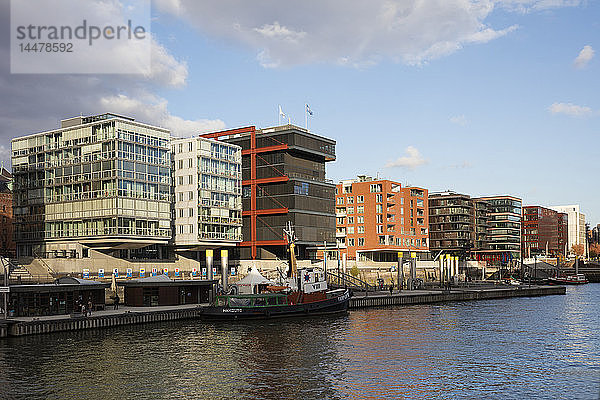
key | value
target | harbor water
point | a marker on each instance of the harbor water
(518, 348)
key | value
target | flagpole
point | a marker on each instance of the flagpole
(279, 116)
(306, 117)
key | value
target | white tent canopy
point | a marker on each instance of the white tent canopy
(250, 281)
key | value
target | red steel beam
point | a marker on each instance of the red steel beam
(267, 149)
(265, 212)
(274, 179)
(214, 135)
(264, 243)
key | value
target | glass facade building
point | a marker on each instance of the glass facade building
(103, 180)
(207, 192)
(505, 214)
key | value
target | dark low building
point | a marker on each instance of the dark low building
(62, 297)
(162, 291)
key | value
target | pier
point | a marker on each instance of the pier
(142, 315)
(382, 299)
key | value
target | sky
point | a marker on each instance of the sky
(482, 97)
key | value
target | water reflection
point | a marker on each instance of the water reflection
(546, 347)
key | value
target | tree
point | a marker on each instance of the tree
(354, 271)
(578, 249)
(594, 250)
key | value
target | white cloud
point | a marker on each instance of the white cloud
(354, 33)
(585, 56)
(459, 120)
(570, 109)
(526, 6)
(154, 110)
(411, 160)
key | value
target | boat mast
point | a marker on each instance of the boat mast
(291, 239)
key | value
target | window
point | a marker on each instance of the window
(190, 195)
(379, 208)
(350, 210)
(180, 164)
(361, 242)
(401, 200)
(374, 188)
(350, 200)
(190, 146)
(360, 219)
(350, 220)
(181, 213)
(180, 180)
(360, 209)
(360, 229)
(378, 198)
(360, 199)
(351, 230)
(380, 219)
(348, 189)
(379, 228)
(191, 212)
(340, 200)
(350, 242)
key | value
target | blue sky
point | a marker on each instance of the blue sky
(482, 97)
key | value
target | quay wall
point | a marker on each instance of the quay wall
(81, 323)
(467, 295)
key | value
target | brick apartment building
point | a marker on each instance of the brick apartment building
(377, 218)
(544, 232)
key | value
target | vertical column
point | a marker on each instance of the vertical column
(253, 237)
(413, 270)
(441, 270)
(400, 271)
(209, 265)
(224, 269)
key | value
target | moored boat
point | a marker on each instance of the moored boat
(304, 292)
(578, 279)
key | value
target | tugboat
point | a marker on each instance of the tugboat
(303, 293)
(577, 279)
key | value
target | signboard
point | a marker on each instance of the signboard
(116, 273)
(400, 255)
(4, 289)
(214, 271)
(204, 271)
(194, 271)
(154, 271)
(209, 253)
(413, 255)
(176, 271)
(166, 271)
(142, 272)
(86, 273)
(232, 271)
(129, 272)
(100, 273)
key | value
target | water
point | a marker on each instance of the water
(523, 348)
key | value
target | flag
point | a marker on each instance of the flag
(308, 110)
(281, 113)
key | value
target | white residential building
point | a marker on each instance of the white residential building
(207, 177)
(576, 224)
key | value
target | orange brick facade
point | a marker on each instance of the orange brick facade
(378, 218)
(7, 245)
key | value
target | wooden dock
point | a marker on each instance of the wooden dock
(145, 315)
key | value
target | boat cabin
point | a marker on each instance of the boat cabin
(262, 300)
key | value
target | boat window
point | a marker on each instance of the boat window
(260, 301)
(221, 302)
(272, 301)
(238, 302)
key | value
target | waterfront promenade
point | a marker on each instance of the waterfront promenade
(141, 315)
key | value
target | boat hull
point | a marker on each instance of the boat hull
(334, 305)
(555, 281)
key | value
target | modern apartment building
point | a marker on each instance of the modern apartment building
(544, 232)
(207, 177)
(283, 172)
(377, 218)
(458, 224)
(576, 224)
(504, 234)
(7, 244)
(98, 183)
